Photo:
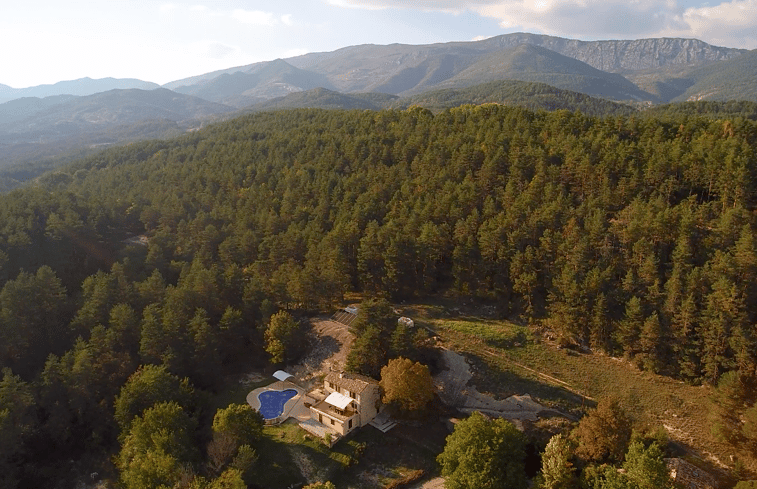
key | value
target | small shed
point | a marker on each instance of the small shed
(350, 309)
(406, 321)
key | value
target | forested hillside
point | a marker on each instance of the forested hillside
(630, 236)
(532, 96)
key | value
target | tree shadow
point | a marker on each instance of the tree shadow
(501, 382)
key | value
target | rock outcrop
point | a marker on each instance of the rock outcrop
(627, 55)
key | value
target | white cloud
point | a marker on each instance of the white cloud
(167, 8)
(367, 5)
(582, 18)
(480, 38)
(731, 23)
(254, 17)
(286, 19)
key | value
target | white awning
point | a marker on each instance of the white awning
(338, 400)
(281, 375)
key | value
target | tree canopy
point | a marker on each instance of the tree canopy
(633, 235)
(604, 433)
(485, 454)
(407, 385)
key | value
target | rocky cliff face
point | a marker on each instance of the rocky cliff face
(407, 69)
(627, 55)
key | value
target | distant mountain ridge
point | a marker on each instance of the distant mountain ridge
(73, 115)
(81, 87)
(261, 82)
(656, 70)
(618, 56)
(33, 129)
(596, 68)
(533, 96)
(529, 70)
(531, 63)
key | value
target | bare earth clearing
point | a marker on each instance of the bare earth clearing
(330, 342)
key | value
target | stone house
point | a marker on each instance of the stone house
(345, 402)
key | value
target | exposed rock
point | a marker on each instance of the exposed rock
(628, 55)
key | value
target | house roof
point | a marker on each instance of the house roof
(351, 382)
(338, 400)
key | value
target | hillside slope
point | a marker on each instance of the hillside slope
(536, 64)
(533, 96)
(80, 87)
(406, 69)
(734, 79)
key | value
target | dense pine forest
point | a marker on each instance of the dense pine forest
(631, 235)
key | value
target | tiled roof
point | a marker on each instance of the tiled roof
(352, 382)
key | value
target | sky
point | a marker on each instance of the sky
(46, 41)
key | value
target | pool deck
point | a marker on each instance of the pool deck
(294, 407)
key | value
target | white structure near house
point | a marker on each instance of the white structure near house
(406, 321)
(345, 402)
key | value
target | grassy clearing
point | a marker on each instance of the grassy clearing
(290, 456)
(366, 459)
(395, 458)
(508, 359)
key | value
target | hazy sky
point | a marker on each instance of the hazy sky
(45, 41)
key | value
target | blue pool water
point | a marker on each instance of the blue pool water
(272, 402)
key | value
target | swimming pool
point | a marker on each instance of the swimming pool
(272, 402)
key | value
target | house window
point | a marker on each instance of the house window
(332, 421)
(349, 425)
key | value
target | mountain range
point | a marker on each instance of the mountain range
(666, 69)
(41, 120)
(80, 87)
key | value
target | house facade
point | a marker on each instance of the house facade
(345, 402)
